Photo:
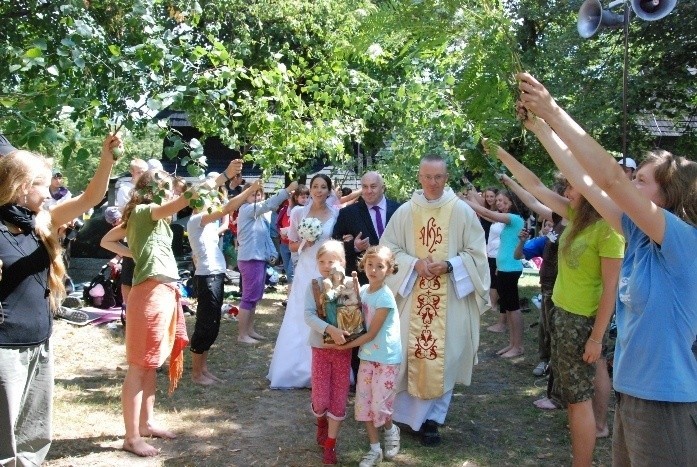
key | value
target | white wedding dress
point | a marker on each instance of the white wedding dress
(292, 356)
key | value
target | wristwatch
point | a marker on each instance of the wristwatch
(450, 267)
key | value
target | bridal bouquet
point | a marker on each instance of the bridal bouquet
(309, 230)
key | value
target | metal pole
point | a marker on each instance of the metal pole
(624, 82)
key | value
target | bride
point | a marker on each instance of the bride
(292, 358)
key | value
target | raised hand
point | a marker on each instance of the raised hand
(523, 235)
(292, 186)
(112, 148)
(535, 97)
(234, 168)
(256, 185)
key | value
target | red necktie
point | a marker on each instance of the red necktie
(378, 220)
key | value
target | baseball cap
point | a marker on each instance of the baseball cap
(627, 162)
(5, 146)
(154, 164)
(112, 215)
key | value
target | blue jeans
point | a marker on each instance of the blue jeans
(287, 263)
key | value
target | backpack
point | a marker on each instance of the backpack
(112, 290)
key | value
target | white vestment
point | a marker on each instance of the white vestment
(466, 249)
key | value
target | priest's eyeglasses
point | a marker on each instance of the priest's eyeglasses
(438, 178)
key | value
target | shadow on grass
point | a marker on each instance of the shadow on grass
(243, 422)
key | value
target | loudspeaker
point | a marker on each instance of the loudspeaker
(592, 17)
(653, 10)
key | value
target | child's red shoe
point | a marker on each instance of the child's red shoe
(329, 457)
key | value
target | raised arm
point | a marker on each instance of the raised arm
(527, 198)
(177, 204)
(351, 196)
(596, 161)
(232, 205)
(493, 216)
(575, 173)
(67, 211)
(529, 180)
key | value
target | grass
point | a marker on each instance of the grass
(244, 423)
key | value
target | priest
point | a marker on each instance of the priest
(442, 288)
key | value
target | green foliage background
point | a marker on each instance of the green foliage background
(355, 83)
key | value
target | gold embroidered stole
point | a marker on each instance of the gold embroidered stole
(426, 355)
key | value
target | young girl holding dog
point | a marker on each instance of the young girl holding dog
(331, 366)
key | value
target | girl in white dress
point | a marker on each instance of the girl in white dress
(290, 364)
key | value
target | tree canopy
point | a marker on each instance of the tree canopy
(352, 82)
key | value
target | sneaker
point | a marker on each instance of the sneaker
(541, 369)
(371, 458)
(537, 301)
(72, 302)
(329, 457)
(392, 442)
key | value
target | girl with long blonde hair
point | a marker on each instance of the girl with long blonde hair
(31, 290)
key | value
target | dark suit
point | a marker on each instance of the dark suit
(353, 219)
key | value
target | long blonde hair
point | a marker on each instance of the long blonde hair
(17, 170)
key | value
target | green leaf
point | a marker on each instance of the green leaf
(115, 50)
(82, 155)
(34, 52)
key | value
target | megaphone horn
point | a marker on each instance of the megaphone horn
(591, 17)
(652, 10)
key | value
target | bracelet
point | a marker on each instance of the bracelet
(594, 341)
(224, 173)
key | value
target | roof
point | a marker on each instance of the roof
(661, 127)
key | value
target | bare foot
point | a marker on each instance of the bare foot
(213, 377)
(497, 328)
(512, 352)
(256, 335)
(545, 404)
(203, 380)
(156, 432)
(604, 433)
(247, 340)
(504, 350)
(139, 447)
